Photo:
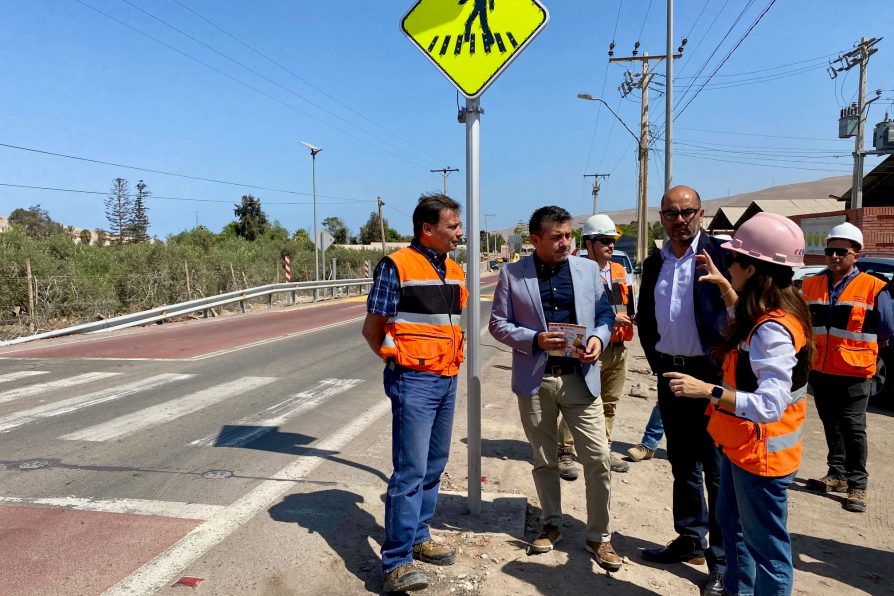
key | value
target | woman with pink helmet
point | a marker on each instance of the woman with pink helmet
(758, 413)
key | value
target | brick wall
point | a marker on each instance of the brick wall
(876, 223)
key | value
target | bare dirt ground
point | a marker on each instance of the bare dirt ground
(834, 551)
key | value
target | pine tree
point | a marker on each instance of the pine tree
(139, 216)
(119, 206)
(252, 221)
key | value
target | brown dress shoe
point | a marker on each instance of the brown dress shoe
(605, 555)
(828, 484)
(434, 553)
(546, 540)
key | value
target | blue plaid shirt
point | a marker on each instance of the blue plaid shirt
(385, 292)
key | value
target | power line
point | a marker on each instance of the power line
(730, 53)
(175, 174)
(106, 193)
(302, 79)
(752, 134)
(698, 18)
(245, 84)
(762, 70)
(702, 37)
(763, 165)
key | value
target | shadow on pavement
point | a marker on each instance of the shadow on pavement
(800, 486)
(336, 515)
(513, 449)
(502, 514)
(270, 438)
(863, 568)
(632, 548)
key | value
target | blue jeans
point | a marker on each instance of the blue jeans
(654, 430)
(753, 515)
(421, 422)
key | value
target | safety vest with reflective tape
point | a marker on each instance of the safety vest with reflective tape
(425, 334)
(618, 296)
(846, 332)
(765, 449)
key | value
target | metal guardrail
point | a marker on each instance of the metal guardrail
(169, 311)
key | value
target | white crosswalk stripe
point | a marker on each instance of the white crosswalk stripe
(32, 390)
(251, 427)
(21, 374)
(167, 411)
(73, 404)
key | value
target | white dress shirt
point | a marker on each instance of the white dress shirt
(675, 303)
(772, 359)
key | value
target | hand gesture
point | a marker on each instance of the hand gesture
(686, 386)
(712, 273)
(594, 350)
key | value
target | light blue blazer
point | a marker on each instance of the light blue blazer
(517, 316)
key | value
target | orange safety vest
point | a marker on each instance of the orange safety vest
(770, 449)
(846, 332)
(425, 334)
(618, 295)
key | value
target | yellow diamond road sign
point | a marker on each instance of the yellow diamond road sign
(473, 41)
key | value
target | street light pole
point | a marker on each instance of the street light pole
(313, 167)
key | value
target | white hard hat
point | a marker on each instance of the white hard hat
(846, 231)
(600, 225)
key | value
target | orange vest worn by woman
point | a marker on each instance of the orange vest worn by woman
(764, 449)
(425, 334)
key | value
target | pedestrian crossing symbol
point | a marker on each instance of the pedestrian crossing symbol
(473, 41)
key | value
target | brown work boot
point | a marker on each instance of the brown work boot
(618, 464)
(434, 553)
(567, 464)
(828, 484)
(405, 578)
(856, 500)
(640, 452)
(605, 555)
(546, 540)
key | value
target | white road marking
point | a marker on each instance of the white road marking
(50, 385)
(163, 569)
(134, 506)
(73, 404)
(251, 427)
(167, 411)
(21, 374)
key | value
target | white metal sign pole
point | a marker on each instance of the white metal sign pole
(473, 310)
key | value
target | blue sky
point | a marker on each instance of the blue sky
(344, 78)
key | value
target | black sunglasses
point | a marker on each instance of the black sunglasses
(603, 239)
(838, 252)
(673, 214)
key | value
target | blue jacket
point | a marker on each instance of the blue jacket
(710, 310)
(517, 316)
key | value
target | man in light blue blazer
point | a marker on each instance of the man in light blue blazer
(551, 286)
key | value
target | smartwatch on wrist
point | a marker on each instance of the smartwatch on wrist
(716, 394)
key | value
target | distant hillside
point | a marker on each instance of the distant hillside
(817, 189)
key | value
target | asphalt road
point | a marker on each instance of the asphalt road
(130, 459)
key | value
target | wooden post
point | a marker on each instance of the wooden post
(233, 275)
(188, 288)
(30, 295)
(244, 281)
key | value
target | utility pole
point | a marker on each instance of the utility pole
(596, 178)
(858, 56)
(381, 224)
(669, 93)
(641, 81)
(445, 172)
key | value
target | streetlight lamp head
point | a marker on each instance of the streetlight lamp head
(313, 150)
(585, 96)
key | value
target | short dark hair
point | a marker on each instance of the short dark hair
(429, 209)
(550, 213)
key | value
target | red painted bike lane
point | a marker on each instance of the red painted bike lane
(193, 339)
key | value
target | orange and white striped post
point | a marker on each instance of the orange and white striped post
(287, 266)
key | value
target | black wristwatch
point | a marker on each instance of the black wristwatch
(716, 394)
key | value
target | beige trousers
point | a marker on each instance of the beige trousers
(613, 363)
(585, 417)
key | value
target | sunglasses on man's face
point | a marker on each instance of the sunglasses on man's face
(604, 239)
(838, 252)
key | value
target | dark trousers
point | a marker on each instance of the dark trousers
(841, 403)
(694, 459)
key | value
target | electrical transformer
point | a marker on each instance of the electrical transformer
(883, 137)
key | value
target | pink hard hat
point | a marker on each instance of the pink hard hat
(769, 237)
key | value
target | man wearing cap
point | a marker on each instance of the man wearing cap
(599, 234)
(847, 328)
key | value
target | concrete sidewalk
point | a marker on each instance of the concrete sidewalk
(835, 551)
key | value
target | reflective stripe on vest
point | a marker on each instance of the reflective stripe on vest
(765, 449)
(618, 299)
(425, 333)
(845, 332)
